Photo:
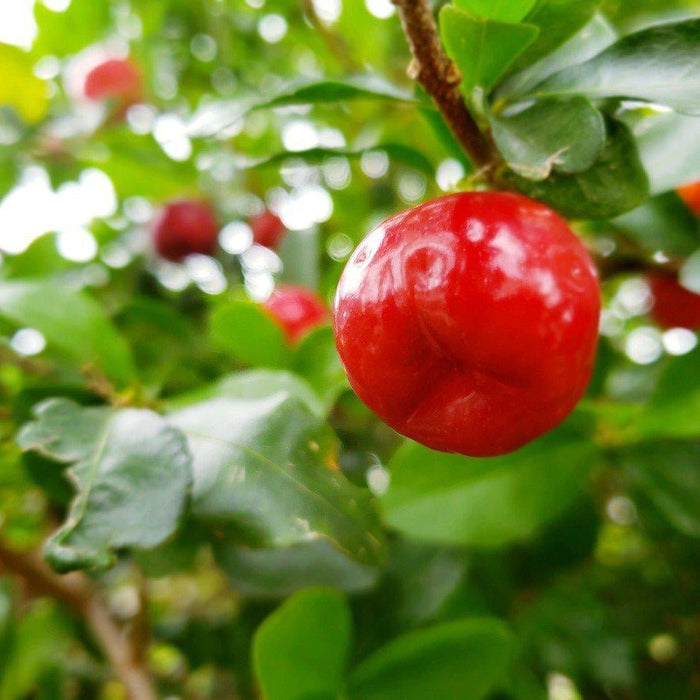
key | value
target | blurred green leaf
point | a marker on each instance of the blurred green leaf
(660, 64)
(667, 474)
(453, 499)
(303, 647)
(137, 165)
(501, 10)
(571, 630)
(71, 322)
(463, 659)
(210, 120)
(70, 31)
(131, 471)
(615, 184)
(482, 49)
(265, 472)
(668, 144)
(316, 359)
(674, 407)
(19, 87)
(249, 333)
(662, 223)
(255, 384)
(397, 152)
(536, 137)
(41, 640)
(40, 258)
(280, 571)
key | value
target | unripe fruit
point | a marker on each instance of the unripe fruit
(469, 323)
(115, 78)
(674, 306)
(690, 194)
(296, 309)
(267, 228)
(185, 227)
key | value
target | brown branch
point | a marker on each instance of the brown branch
(77, 592)
(440, 78)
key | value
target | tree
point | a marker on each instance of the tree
(193, 503)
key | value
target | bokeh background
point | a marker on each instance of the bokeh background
(595, 572)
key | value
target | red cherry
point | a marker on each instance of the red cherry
(296, 309)
(469, 323)
(674, 306)
(184, 227)
(115, 78)
(268, 229)
(690, 194)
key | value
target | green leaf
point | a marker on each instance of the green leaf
(40, 259)
(41, 640)
(667, 474)
(590, 40)
(557, 20)
(662, 223)
(453, 499)
(536, 137)
(463, 659)
(316, 359)
(397, 152)
(254, 384)
(668, 145)
(301, 253)
(265, 473)
(212, 119)
(303, 647)
(369, 86)
(279, 572)
(137, 165)
(250, 334)
(501, 10)
(71, 321)
(675, 404)
(19, 87)
(481, 48)
(615, 184)
(660, 64)
(131, 471)
(70, 31)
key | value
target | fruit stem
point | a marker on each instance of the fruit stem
(440, 78)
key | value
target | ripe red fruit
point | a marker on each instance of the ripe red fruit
(674, 306)
(184, 227)
(267, 228)
(115, 78)
(690, 194)
(296, 309)
(469, 323)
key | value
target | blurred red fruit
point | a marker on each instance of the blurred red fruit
(674, 306)
(297, 310)
(115, 78)
(268, 229)
(690, 194)
(185, 227)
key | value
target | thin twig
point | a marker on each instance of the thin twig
(440, 78)
(77, 592)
